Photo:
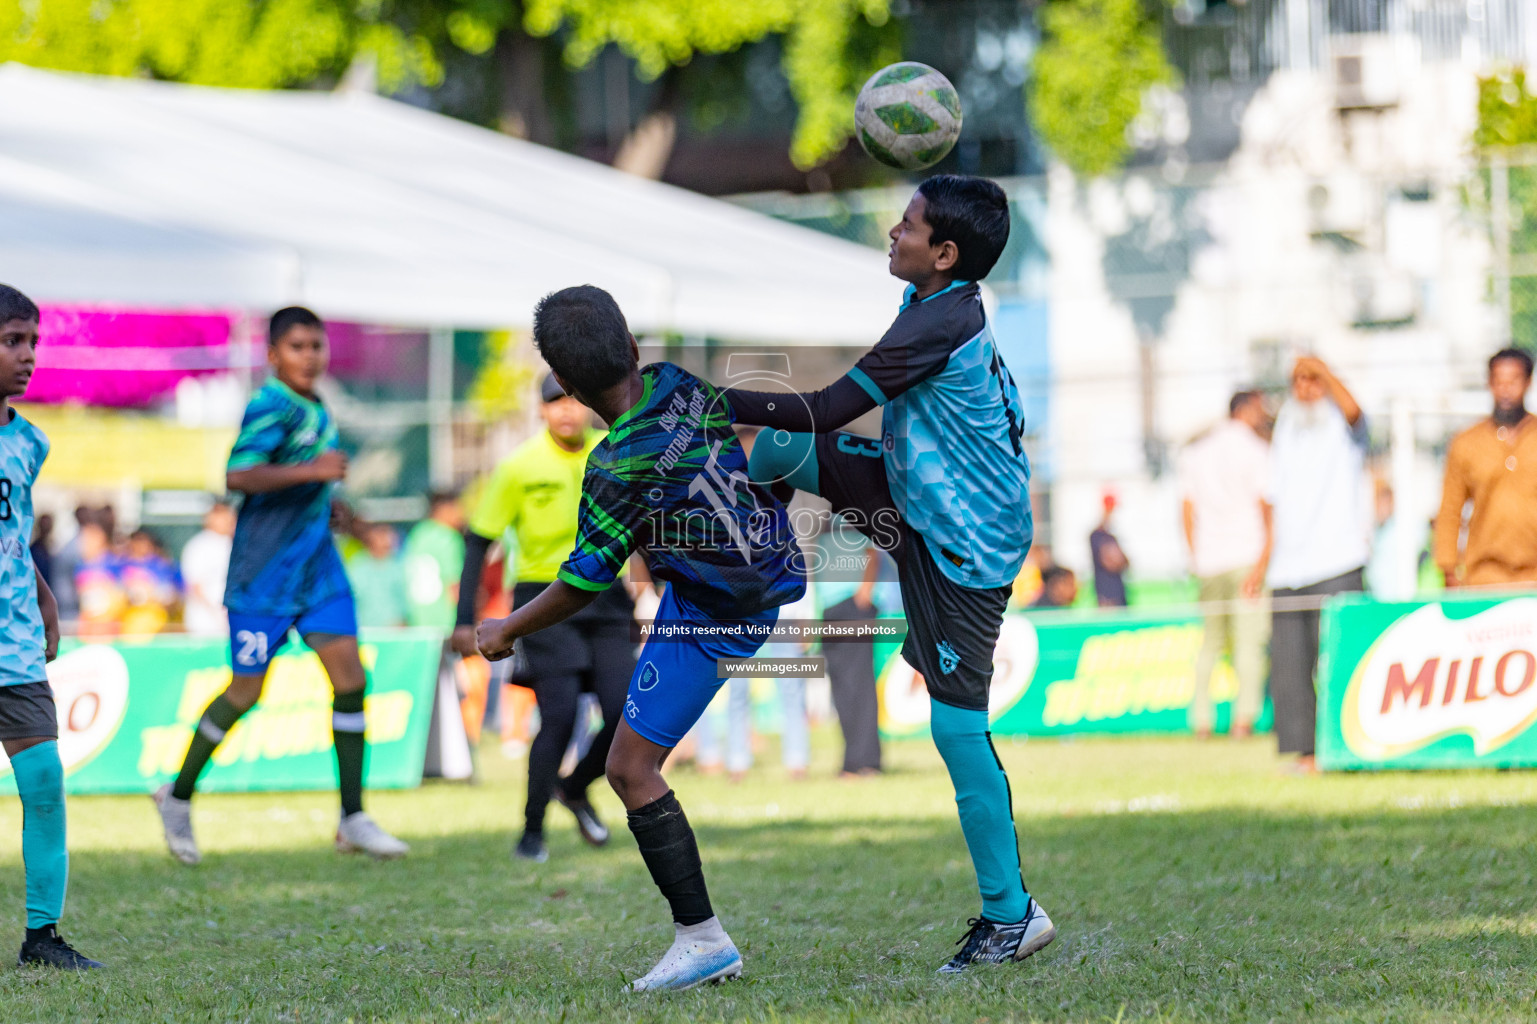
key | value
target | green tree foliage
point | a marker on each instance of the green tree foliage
(260, 44)
(268, 44)
(1096, 60)
(1507, 118)
(1507, 110)
(823, 66)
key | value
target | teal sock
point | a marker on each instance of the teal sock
(347, 732)
(40, 782)
(987, 813)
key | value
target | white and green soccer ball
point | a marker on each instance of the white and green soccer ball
(908, 116)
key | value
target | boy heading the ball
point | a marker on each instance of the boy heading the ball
(670, 481)
(29, 723)
(285, 575)
(946, 490)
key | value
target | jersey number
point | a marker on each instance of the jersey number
(5, 498)
(725, 484)
(250, 648)
(1005, 382)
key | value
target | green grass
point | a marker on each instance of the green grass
(1189, 882)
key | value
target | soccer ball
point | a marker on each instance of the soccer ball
(908, 116)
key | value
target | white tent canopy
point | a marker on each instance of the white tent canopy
(146, 193)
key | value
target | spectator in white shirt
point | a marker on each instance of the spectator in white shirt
(1227, 524)
(204, 566)
(1322, 530)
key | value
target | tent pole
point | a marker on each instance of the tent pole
(440, 407)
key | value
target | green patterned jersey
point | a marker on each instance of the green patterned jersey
(670, 480)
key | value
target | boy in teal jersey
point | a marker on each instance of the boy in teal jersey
(29, 727)
(945, 491)
(285, 574)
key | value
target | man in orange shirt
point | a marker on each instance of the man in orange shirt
(1493, 464)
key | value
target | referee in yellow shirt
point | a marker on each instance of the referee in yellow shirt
(535, 491)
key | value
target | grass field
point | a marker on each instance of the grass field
(1189, 882)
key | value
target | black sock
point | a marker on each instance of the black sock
(347, 733)
(217, 719)
(47, 931)
(672, 856)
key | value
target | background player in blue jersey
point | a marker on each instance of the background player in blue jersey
(285, 574)
(29, 725)
(669, 480)
(946, 489)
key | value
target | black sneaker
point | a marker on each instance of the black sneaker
(531, 847)
(49, 949)
(593, 830)
(990, 943)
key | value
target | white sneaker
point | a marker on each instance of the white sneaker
(358, 833)
(176, 818)
(700, 954)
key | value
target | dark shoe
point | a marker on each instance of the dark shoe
(531, 847)
(593, 831)
(990, 943)
(50, 950)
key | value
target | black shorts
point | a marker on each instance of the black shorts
(598, 635)
(951, 630)
(27, 710)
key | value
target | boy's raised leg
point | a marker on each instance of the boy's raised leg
(701, 951)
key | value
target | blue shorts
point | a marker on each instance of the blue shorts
(254, 640)
(674, 680)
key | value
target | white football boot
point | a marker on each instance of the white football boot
(358, 833)
(176, 818)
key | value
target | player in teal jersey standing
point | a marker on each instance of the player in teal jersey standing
(945, 490)
(285, 574)
(29, 725)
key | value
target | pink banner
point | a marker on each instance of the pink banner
(118, 358)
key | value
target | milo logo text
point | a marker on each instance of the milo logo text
(1429, 677)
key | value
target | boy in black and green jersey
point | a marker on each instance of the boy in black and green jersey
(670, 481)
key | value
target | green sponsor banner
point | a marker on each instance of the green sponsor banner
(1075, 673)
(1444, 684)
(127, 711)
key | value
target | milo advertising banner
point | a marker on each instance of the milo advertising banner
(1446, 685)
(1067, 674)
(127, 711)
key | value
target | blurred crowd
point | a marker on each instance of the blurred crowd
(1280, 509)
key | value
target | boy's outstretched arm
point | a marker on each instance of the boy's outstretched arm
(556, 603)
(911, 352)
(840, 403)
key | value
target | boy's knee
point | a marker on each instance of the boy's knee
(243, 692)
(780, 455)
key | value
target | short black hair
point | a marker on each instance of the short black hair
(1053, 573)
(437, 499)
(971, 212)
(289, 317)
(1519, 355)
(582, 334)
(1241, 399)
(15, 306)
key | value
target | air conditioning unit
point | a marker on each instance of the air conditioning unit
(1366, 73)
